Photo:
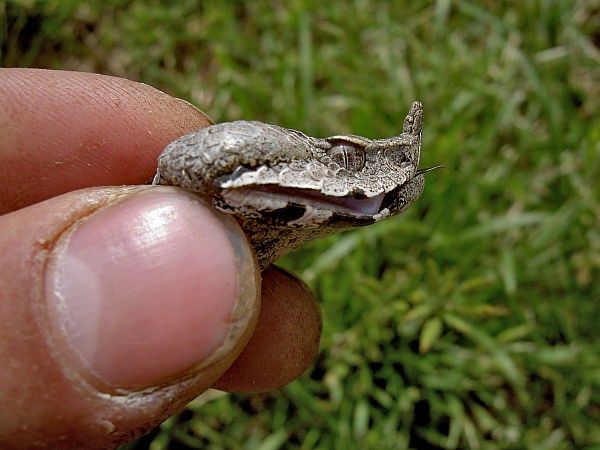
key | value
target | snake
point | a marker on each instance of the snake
(286, 188)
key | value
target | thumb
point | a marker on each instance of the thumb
(117, 306)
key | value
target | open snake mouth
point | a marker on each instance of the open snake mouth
(347, 204)
(357, 206)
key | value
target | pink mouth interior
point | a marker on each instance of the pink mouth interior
(364, 206)
(369, 206)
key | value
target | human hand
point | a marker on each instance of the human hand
(120, 304)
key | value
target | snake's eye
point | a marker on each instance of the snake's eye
(347, 156)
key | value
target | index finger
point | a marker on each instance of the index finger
(63, 131)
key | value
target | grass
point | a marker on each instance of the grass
(472, 320)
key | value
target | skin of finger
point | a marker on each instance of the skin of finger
(285, 341)
(63, 131)
(44, 402)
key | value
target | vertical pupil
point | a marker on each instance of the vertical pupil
(347, 156)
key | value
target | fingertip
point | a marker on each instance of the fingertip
(151, 288)
(90, 324)
(285, 341)
(63, 131)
